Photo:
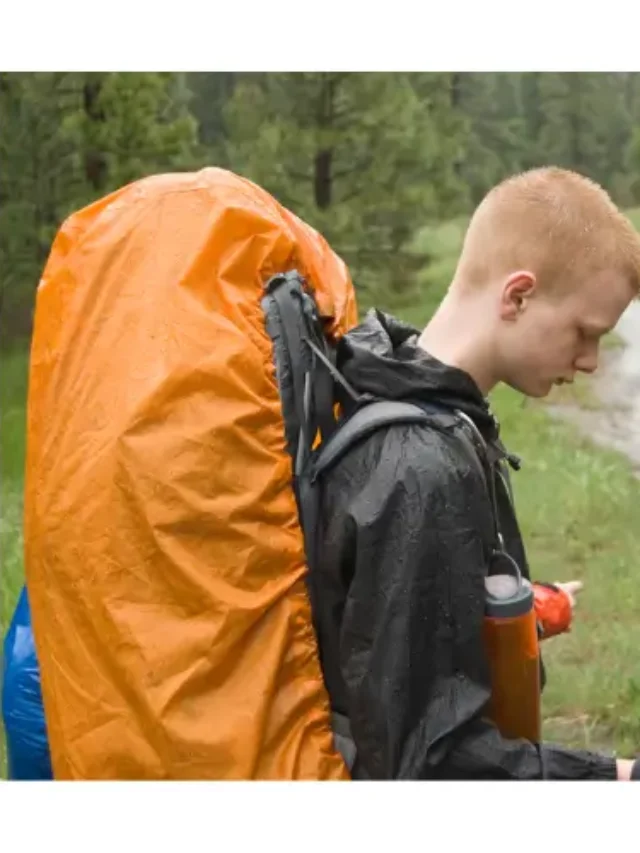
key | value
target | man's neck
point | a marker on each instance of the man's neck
(454, 337)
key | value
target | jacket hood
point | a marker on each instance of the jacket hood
(381, 357)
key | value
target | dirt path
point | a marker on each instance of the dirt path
(617, 387)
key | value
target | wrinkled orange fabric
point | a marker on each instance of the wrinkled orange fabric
(164, 556)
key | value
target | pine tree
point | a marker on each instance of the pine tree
(365, 158)
(66, 139)
(493, 109)
(130, 125)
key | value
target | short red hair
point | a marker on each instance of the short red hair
(553, 222)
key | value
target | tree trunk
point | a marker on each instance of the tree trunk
(323, 161)
(95, 163)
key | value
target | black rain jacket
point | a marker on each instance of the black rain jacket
(405, 535)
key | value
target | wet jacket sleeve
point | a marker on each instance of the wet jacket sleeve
(411, 651)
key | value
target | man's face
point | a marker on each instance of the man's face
(547, 339)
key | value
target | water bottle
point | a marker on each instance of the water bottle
(511, 639)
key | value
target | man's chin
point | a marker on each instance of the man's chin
(535, 390)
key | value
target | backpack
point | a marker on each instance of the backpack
(322, 429)
(164, 558)
(184, 406)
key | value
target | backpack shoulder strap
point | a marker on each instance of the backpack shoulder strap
(365, 421)
(362, 423)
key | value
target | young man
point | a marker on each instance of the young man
(548, 266)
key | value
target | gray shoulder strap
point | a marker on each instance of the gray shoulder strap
(364, 422)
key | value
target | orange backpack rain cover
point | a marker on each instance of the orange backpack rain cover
(164, 557)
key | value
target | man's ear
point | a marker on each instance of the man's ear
(516, 293)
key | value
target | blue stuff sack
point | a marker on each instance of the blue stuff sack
(22, 709)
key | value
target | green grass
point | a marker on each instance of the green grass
(13, 390)
(578, 512)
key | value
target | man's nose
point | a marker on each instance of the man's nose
(588, 362)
